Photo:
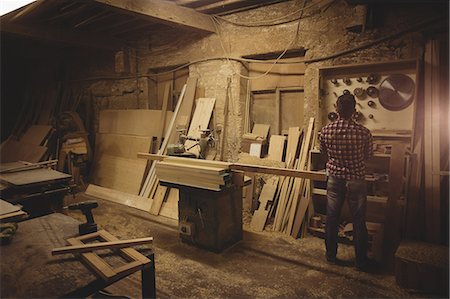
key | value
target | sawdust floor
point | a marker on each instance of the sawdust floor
(262, 265)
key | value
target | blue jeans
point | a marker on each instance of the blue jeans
(355, 192)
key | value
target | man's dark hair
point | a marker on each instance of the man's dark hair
(345, 106)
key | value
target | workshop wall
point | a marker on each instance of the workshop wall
(121, 81)
(219, 80)
(322, 33)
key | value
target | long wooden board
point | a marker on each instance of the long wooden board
(127, 199)
(200, 121)
(298, 210)
(276, 147)
(101, 246)
(121, 174)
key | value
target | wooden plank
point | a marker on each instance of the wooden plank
(160, 195)
(261, 130)
(121, 174)
(283, 202)
(140, 122)
(396, 185)
(191, 167)
(185, 112)
(276, 147)
(298, 209)
(7, 208)
(129, 252)
(267, 195)
(119, 197)
(13, 151)
(167, 97)
(209, 163)
(202, 116)
(149, 182)
(169, 208)
(165, 12)
(36, 134)
(118, 145)
(199, 122)
(101, 246)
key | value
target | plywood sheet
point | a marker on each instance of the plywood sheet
(122, 174)
(13, 151)
(200, 121)
(140, 122)
(36, 135)
(125, 146)
(276, 147)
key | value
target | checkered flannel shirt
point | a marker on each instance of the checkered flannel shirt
(347, 145)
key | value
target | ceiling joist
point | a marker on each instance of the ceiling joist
(69, 37)
(166, 12)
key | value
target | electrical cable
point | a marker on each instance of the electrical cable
(375, 42)
(216, 25)
(306, 61)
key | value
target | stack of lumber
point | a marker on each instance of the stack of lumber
(290, 196)
(31, 147)
(165, 200)
(11, 213)
(159, 195)
(205, 174)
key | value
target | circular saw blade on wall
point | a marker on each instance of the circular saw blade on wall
(396, 92)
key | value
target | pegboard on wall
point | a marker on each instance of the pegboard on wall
(385, 93)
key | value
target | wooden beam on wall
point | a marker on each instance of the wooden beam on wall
(83, 39)
(166, 12)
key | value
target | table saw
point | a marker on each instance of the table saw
(39, 190)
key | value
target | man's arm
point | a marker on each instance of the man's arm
(323, 146)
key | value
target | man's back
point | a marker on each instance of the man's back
(347, 145)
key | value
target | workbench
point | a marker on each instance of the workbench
(40, 191)
(28, 270)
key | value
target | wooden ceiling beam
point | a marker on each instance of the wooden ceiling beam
(83, 39)
(166, 12)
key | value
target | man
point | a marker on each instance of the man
(348, 145)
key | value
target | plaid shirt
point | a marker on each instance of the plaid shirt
(347, 145)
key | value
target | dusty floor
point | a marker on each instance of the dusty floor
(262, 265)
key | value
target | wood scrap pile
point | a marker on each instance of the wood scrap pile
(205, 174)
(123, 177)
(31, 147)
(287, 198)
